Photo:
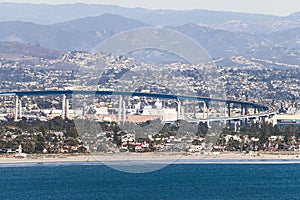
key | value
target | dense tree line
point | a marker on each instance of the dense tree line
(36, 136)
(286, 136)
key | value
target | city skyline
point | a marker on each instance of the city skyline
(273, 7)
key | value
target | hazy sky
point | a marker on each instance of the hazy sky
(276, 7)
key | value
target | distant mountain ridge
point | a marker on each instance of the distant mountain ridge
(249, 35)
(50, 14)
(80, 34)
(45, 14)
(106, 22)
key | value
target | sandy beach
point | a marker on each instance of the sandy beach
(168, 157)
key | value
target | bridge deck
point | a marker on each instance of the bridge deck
(137, 94)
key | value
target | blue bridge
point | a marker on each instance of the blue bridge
(260, 111)
(133, 94)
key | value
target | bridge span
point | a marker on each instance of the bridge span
(262, 110)
(133, 94)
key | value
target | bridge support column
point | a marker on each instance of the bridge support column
(229, 114)
(63, 107)
(207, 110)
(20, 109)
(204, 109)
(178, 109)
(16, 108)
(124, 111)
(235, 126)
(242, 109)
(228, 109)
(246, 121)
(182, 111)
(246, 113)
(263, 119)
(194, 110)
(120, 110)
(246, 110)
(67, 108)
(208, 124)
(228, 122)
(260, 122)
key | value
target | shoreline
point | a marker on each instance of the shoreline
(230, 157)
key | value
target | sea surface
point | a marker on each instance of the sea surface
(176, 181)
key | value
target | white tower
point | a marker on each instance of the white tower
(63, 107)
(182, 111)
(16, 108)
(178, 109)
(20, 109)
(124, 111)
(67, 108)
(120, 109)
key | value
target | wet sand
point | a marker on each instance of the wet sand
(168, 157)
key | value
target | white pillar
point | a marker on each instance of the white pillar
(67, 108)
(20, 109)
(178, 109)
(182, 111)
(194, 108)
(204, 109)
(63, 107)
(235, 126)
(124, 111)
(120, 109)
(208, 124)
(207, 111)
(16, 108)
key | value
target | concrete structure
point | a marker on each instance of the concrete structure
(63, 107)
(16, 108)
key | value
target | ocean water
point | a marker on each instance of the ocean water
(177, 181)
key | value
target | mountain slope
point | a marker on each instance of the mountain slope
(106, 22)
(86, 33)
(21, 49)
(220, 43)
(81, 34)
